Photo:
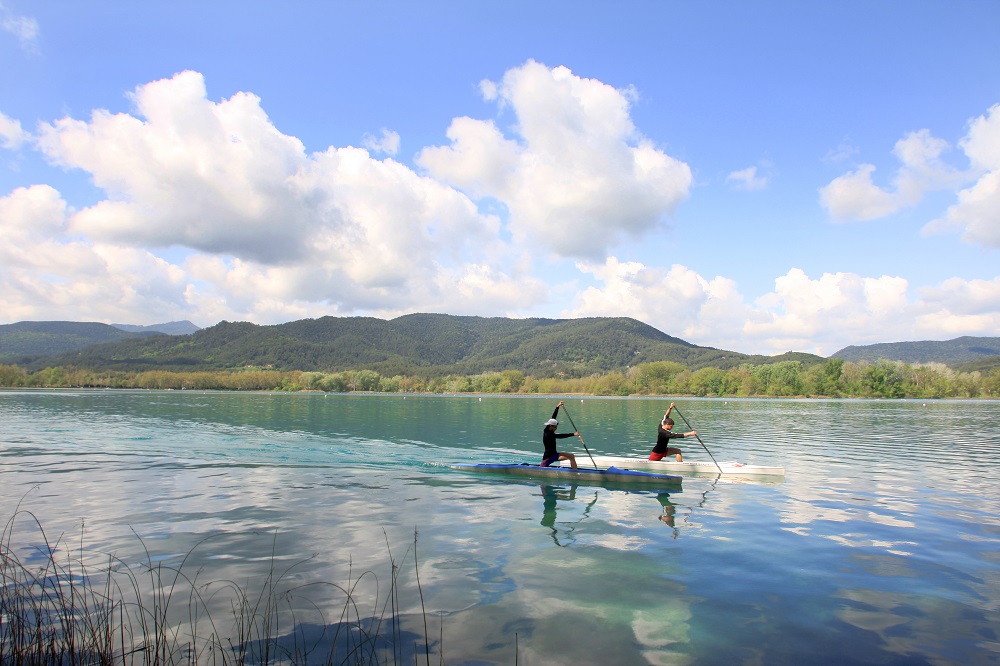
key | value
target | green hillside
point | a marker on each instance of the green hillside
(427, 344)
(31, 338)
(954, 352)
(183, 327)
(984, 365)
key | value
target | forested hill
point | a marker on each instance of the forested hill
(38, 338)
(170, 328)
(412, 344)
(957, 352)
(54, 337)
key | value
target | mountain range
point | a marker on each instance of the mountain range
(431, 344)
(45, 338)
(428, 344)
(959, 352)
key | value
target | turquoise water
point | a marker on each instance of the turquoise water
(881, 545)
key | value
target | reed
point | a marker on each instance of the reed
(67, 605)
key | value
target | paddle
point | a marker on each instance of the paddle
(580, 436)
(696, 437)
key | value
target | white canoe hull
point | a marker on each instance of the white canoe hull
(671, 466)
(587, 475)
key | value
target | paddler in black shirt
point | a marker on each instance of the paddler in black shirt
(663, 437)
(549, 437)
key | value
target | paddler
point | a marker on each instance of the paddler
(549, 437)
(663, 437)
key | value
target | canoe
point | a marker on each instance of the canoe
(693, 466)
(588, 475)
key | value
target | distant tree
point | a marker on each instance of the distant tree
(679, 383)
(706, 381)
(654, 378)
(366, 380)
(613, 383)
(991, 384)
(884, 379)
(389, 385)
(739, 380)
(786, 379)
(335, 382)
(11, 375)
(511, 381)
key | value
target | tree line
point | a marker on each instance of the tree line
(834, 378)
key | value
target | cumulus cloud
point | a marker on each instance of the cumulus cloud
(747, 179)
(976, 215)
(45, 270)
(855, 196)
(272, 233)
(577, 169)
(210, 212)
(834, 307)
(676, 300)
(11, 135)
(801, 314)
(219, 178)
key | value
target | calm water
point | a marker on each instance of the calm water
(880, 546)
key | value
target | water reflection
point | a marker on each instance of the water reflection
(867, 551)
(667, 517)
(551, 496)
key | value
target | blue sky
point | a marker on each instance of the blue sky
(758, 177)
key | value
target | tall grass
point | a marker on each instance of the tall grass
(69, 606)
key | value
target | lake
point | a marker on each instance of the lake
(880, 545)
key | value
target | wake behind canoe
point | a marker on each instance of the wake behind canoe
(611, 475)
(694, 466)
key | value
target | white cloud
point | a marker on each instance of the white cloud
(747, 179)
(212, 177)
(29, 214)
(24, 28)
(828, 310)
(676, 300)
(245, 225)
(387, 143)
(820, 315)
(271, 233)
(855, 196)
(44, 271)
(977, 213)
(11, 134)
(578, 178)
(959, 305)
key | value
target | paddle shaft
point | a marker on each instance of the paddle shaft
(575, 429)
(698, 438)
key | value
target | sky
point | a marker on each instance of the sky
(757, 177)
